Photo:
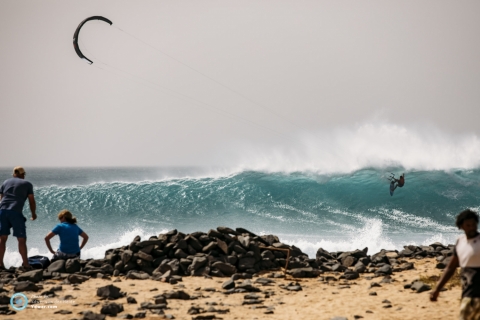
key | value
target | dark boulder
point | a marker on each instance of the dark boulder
(33, 276)
(229, 284)
(351, 275)
(181, 244)
(226, 268)
(130, 265)
(144, 256)
(57, 266)
(160, 299)
(304, 272)
(239, 249)
(215, 234)
(126, 256)
(244, 275)
(222, 245)
(244, 241)
(134, 247)
(174, 266)
(419, 286)
(437, 245)
(180, 254)
(406, 266)
(324, 253)
(4, 299)
(267, 254)
(246, 263)
(63, 312)
(360, 267)
(109, 292)
(245, 231)
(226, 230)
(72, 266)
(119, 266)
(338, 267)
(25, 286)
(182, 295)
(384, 270)
(89, 315)
(209, 247)
(247, 286)
(197, 263)
(348, 261)
(270, 239)
(203, 271)
(137, 275)
(148, 245)
(380, 258)
(76, 278)
(112, 309)
(176, 237)
(194, 243)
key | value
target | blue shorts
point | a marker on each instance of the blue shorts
(12, 219)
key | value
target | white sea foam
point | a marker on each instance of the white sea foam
(368, 145)
(372, 235)
(442, 238)
(373, 241)
(415, 221)
(13, 258)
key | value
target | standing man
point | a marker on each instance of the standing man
(13, 194)
(466, 255)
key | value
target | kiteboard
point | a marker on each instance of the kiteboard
(392, 187)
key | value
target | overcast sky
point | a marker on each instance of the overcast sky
(186, 82)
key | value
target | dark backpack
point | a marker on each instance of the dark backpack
(39, 262)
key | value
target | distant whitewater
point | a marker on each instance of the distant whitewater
(310, 210)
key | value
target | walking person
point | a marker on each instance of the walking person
(466, 255)
(13, 194)
(68, 231)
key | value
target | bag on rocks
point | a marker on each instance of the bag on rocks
(39, 262)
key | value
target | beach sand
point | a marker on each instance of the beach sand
(316, 300)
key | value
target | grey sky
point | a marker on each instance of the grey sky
(308, 66)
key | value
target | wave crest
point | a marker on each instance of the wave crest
(366, 146)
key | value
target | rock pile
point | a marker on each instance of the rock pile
(221, 253)
(383, 263)
(224, 252)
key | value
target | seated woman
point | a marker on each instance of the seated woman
(68, 231)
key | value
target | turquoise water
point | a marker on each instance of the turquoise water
(310, 210)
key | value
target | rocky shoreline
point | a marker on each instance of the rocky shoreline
(242, 261)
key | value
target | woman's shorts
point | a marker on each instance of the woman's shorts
(59, 255)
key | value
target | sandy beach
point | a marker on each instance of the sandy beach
(318, 299)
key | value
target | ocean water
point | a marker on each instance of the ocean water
(308, 209)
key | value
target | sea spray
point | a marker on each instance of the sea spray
(378, 145)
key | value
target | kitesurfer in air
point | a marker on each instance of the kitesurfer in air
(396, 182)
(400, 182)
